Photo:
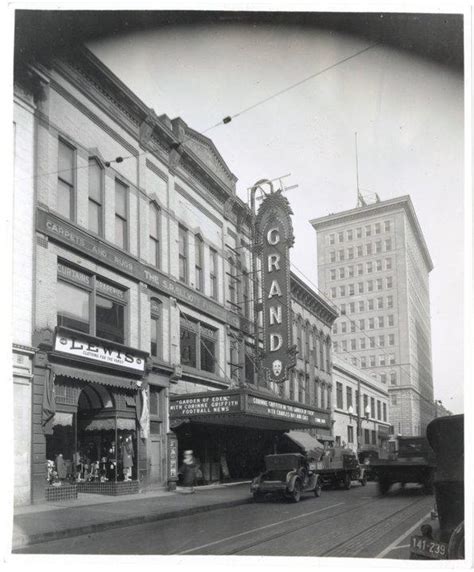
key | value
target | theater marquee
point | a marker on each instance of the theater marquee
(274, 237)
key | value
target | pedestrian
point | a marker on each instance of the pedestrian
(188, 471)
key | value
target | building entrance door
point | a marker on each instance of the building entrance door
(156, 459)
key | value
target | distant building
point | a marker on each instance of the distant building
(373, 262)
(359, 399)
(440, 410)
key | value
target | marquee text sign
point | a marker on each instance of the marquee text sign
(274, 239)
(189, 407)
(97, 351)
(286, 411)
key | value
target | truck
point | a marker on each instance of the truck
(413, 461)
(339, 466)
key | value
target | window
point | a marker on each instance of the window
(393, 378)
(89, 304)
(339, 396)
(374, 437)
(342, 290)
(121, 215)
(360, 269)
(380, 304)
(350, 434)
(66, 180)
(341, 255)
(371, 324)
(198, 343)
(378, 265)
(370, 286)
(332, 256)
(154, 236)
(371, 342)
(377, 228)
(384, 411)
(390, 320)
(352, 308)
(388, 264)
(388, 244)
(350, 253)
(234, 358)
(381, 360)
(350, 235)
(360, 251)
(95, 197)
(343, 327)
(353, 344)
(361, 306)
(391, 359)
(379, 284)
(341, 236)
(155, 327)
(334, 345)
(372, 408)
(379, 410)
(334, 328)
(369, 267)
(362, 324)
(333, 292)
(344, 345)
(342, 307)
(183, 254)
(350, 271)
(351, 289)
(381, 322)
(333, 274)
(368, 249)
(245, 294)
(363, 362)
(383, 377)
(341, 273)
(389, 282)
(368, 230)
(213, 272)
(372, 361)
(361, 287)
(387, 226)
(362, 343)
(389, 301)
(394, 399)
(367, 436)
(348, 396)
(198, 263)
(332, 239)
(391, 339)
(370, 303)
(378, 246)
(359, 232)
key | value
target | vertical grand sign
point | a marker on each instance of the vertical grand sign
(274, 238)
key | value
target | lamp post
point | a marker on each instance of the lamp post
(358, 420)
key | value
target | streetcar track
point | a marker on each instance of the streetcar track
(277, 535)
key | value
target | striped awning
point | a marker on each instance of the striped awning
(95, 377)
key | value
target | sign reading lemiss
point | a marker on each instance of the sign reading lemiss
(274, 239)
(99, 352)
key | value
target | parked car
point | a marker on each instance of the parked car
(446, 540)
(288, 475)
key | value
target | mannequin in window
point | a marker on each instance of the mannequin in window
(127, 458)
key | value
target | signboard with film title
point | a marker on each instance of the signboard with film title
(274, 235)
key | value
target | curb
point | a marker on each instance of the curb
(21, 541)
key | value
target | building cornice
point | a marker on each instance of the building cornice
(312, 301)
(382, 207)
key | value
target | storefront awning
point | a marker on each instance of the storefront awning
(246, 407)
(95, 377)
(108, 424)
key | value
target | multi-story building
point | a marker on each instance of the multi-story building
(133, 303)
(360, 407)
(373, 263)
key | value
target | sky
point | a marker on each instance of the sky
(406, 110)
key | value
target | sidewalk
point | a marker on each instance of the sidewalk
(93, 513)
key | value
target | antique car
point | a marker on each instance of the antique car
(413, 462)
(288, 475)
(446, 540)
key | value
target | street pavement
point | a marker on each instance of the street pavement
(341, 523)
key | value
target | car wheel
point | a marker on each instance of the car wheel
(347, 481)
(317, 490)
(384, 486)
(296, 494)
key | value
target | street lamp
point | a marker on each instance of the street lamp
(356, 417)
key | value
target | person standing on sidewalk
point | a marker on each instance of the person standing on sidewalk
(188, 470)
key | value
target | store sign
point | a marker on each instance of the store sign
(274, 239)
(281, 410)
(185, 407)
(100, 352)
(78, 239)
(383, 430)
